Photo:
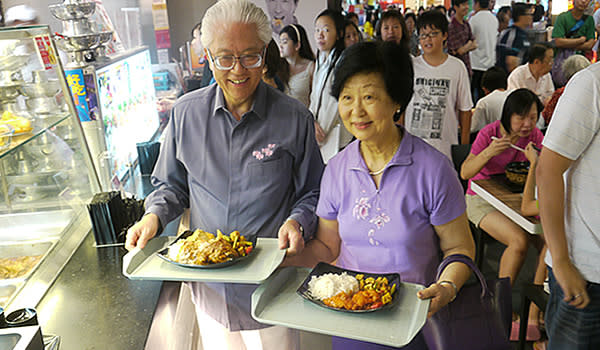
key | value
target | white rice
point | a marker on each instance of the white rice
(174, 250)
(330, 284)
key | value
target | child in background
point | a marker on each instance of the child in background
(442, 99)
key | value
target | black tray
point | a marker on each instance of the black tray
(323, 268)
(511, 186)
(164, 254)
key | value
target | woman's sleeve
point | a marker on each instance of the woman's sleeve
(329, 198)
(447, 195)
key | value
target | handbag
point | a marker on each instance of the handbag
(478, 318)
(562, 54)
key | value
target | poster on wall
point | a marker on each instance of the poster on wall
(285, 12)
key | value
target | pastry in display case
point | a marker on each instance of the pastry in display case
(46, 173)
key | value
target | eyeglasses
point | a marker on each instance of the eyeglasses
(227, 62)
(429, 35)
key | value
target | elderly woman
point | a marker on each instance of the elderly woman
(570, 66)
(389, 202)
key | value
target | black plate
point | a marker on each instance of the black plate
(323, 268)
(164, 254)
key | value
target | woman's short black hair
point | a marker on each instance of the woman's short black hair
(338, 21)
(305, 49)
(519, 102)
(405, 41)
(392, 61)
(434, 19)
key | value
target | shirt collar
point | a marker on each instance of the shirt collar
(402, 157)
(528, 74)
(259, 106)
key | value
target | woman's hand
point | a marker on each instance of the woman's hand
(531, 154)
(319, 133)
(497, 146)
(440, 295)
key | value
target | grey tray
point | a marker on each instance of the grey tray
(145, 264)
(276, 302)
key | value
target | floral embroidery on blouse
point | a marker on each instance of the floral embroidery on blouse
(264, 152)
(361, 208)
(380, 220)
(361, 212)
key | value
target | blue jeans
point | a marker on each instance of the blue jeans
(569, 328)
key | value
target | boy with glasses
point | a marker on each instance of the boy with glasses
(442, 99)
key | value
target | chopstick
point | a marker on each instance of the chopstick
(517, 147)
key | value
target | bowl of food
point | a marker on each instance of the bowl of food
(351, 291)
(516, 172)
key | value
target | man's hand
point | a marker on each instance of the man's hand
(140, 233)
(290, 237)
(571, 282)
(440, 295)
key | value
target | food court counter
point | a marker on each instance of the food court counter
(91, 305)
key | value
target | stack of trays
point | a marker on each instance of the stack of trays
(111, 216)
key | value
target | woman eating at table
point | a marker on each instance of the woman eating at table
(389, 202)
(492, 150)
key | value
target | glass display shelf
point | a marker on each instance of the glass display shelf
(46, 171)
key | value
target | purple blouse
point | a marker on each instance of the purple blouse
(390, 229)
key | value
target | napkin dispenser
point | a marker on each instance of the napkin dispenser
(112, 215)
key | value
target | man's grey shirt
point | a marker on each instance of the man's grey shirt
(248, 175)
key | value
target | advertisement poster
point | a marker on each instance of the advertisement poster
(285, 12)
(76, 82)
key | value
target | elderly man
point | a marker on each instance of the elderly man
(242, 156)
(535, 75)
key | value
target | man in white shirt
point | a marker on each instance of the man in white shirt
(489, 108)
(535, 75)
(568, 179)
(484, 26)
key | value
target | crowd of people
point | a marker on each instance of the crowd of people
(382, 111)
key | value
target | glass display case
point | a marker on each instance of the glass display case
(46, 173)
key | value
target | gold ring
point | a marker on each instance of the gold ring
(578, 295)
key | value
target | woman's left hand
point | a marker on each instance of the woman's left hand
(440, 295)
(531, 153)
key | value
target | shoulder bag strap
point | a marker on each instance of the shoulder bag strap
(469, 262)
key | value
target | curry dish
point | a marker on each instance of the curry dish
(17, 267)
(203, 248)
(372, 294)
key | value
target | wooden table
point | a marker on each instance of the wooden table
(507, 202)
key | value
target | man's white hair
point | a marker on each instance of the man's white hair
(226, 12)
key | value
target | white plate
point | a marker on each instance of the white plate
(145, 264)
(276, 302)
